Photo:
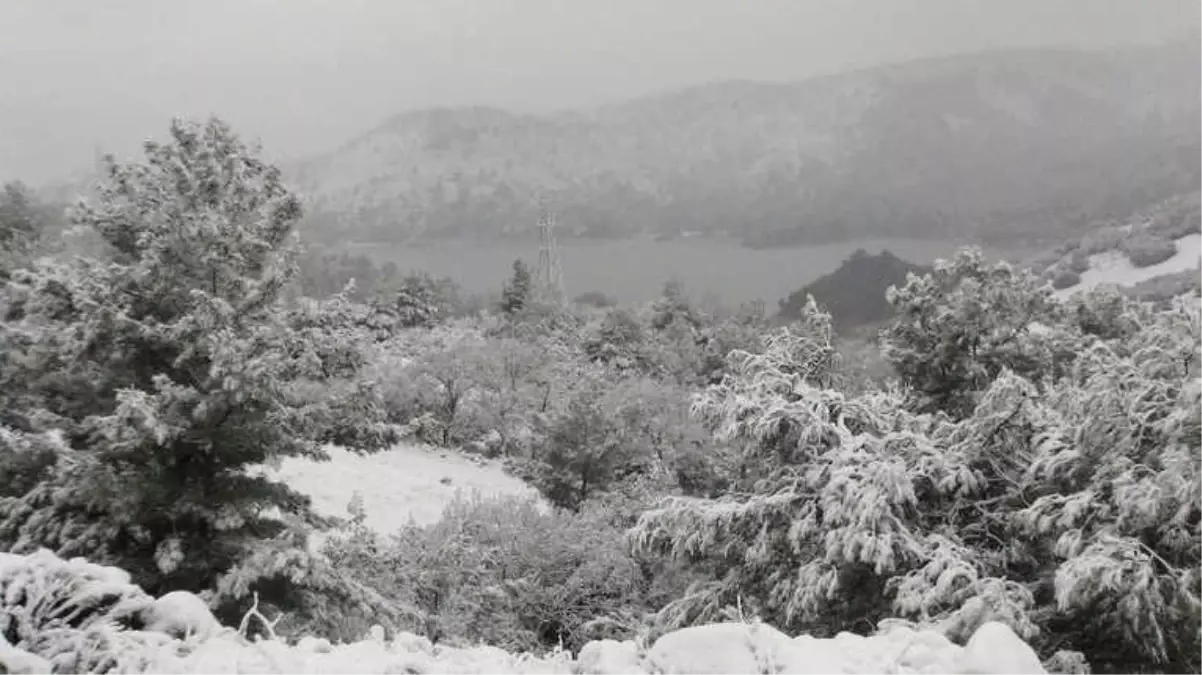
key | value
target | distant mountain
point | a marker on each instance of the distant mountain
(854, 294)
(991, 147)
(1016, 147)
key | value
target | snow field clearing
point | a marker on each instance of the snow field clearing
(406, 482)
(1113, 267)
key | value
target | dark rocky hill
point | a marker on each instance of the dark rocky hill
(854, 294)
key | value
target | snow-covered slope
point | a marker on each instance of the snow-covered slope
(70, 616)
(1114, 268)
(406, 482)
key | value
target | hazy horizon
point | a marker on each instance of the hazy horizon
(305, 76)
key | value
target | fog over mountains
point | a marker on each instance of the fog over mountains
(1000, 146)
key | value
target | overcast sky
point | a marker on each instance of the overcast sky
(79, 76)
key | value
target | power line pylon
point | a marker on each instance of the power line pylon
(549, 275)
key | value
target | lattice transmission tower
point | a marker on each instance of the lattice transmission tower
(549, 275)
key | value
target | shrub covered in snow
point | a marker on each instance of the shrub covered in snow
(1064, 278)
(505, 572)
(1062, 499)
(1145, 250)
(1078, 261)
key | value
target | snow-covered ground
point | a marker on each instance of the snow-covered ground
(67, 616)
(712, 648)
(1113, 267)
(408, 481)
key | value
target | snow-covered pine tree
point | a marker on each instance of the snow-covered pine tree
(171, 370)
(518, 291)
(956, 328)
(418, 301)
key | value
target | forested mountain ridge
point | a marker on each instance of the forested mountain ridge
(991, 147)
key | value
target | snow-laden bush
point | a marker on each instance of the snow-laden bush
(502, 571)
(670, 340)
(1065, 278)
(1064, 502)
(1145, 250)
(456, 383)
(66, 615)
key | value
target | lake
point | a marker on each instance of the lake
(635, 270)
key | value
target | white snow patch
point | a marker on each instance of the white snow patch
(403, 483)
(314, 645)
(1113, 267)
(44, 639)
(994, 648)
(752, 648)
(19, 661)
(181, 614)
(715, 648)
(608, 657)
(719, 648)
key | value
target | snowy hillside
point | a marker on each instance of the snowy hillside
(75, 616)
(1113, 268)
(1153, 254)
(1025, 141)
(406, 482)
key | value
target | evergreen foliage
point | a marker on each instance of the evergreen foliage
(421, 301)
(960, 326)
(162, 377)
(518, 291)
